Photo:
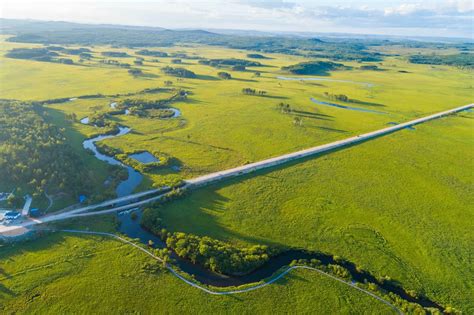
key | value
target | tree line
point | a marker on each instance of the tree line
(35, 154)
(215, 255)
(178, 72)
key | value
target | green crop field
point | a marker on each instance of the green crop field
(399, 206)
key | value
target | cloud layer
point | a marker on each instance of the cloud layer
(391, 17)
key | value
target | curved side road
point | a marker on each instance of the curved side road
(248, 289)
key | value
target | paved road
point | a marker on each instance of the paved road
(221, 175)
(245, 169)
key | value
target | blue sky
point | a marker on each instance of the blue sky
(452, 18)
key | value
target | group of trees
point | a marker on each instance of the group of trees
(462, 60)
(69, 51)
(216, 255)
(257, 56)
(152, 53)
(314, 68)
(101, 119)
(239, 68)
(135, 72)
(64, 33)
(38, 54)
(224, 75)
(36, 154)
(178, 72)
(115, 63)
(370, 67)
(337, 97)
(284, 108)
(115, 54)
(250, 91)
(235, 64)
(151, 108)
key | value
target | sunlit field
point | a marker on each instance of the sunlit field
(399, 206)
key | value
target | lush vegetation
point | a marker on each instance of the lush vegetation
(379, 204)
(178, 72)
(64, 273)
(34, 154)
(464, 60)
(224, 75)
(152, 53)
(314, 68)
(38, 54)
(213, 254)
(233, 62)
(256, 56)
(115, 54)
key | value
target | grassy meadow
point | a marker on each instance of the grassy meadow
(64, 273)
(399, 206)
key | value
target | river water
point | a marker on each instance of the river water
(126, 187)
(132, 228)
(345, 107)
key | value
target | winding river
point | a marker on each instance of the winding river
(130, 226)
(126, 187)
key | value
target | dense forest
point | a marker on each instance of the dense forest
(36, 153)
(464, 60)
(133, 37)
(314, 68)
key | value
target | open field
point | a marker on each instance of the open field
(398, 206)
(64, 273)
(221, 128)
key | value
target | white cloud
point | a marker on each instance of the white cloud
(448, 17)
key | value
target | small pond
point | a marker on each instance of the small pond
(144, 157)
(85, 120)
(134, 178)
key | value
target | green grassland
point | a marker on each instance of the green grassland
(400, 205)
(221, 128)
(61, 273)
